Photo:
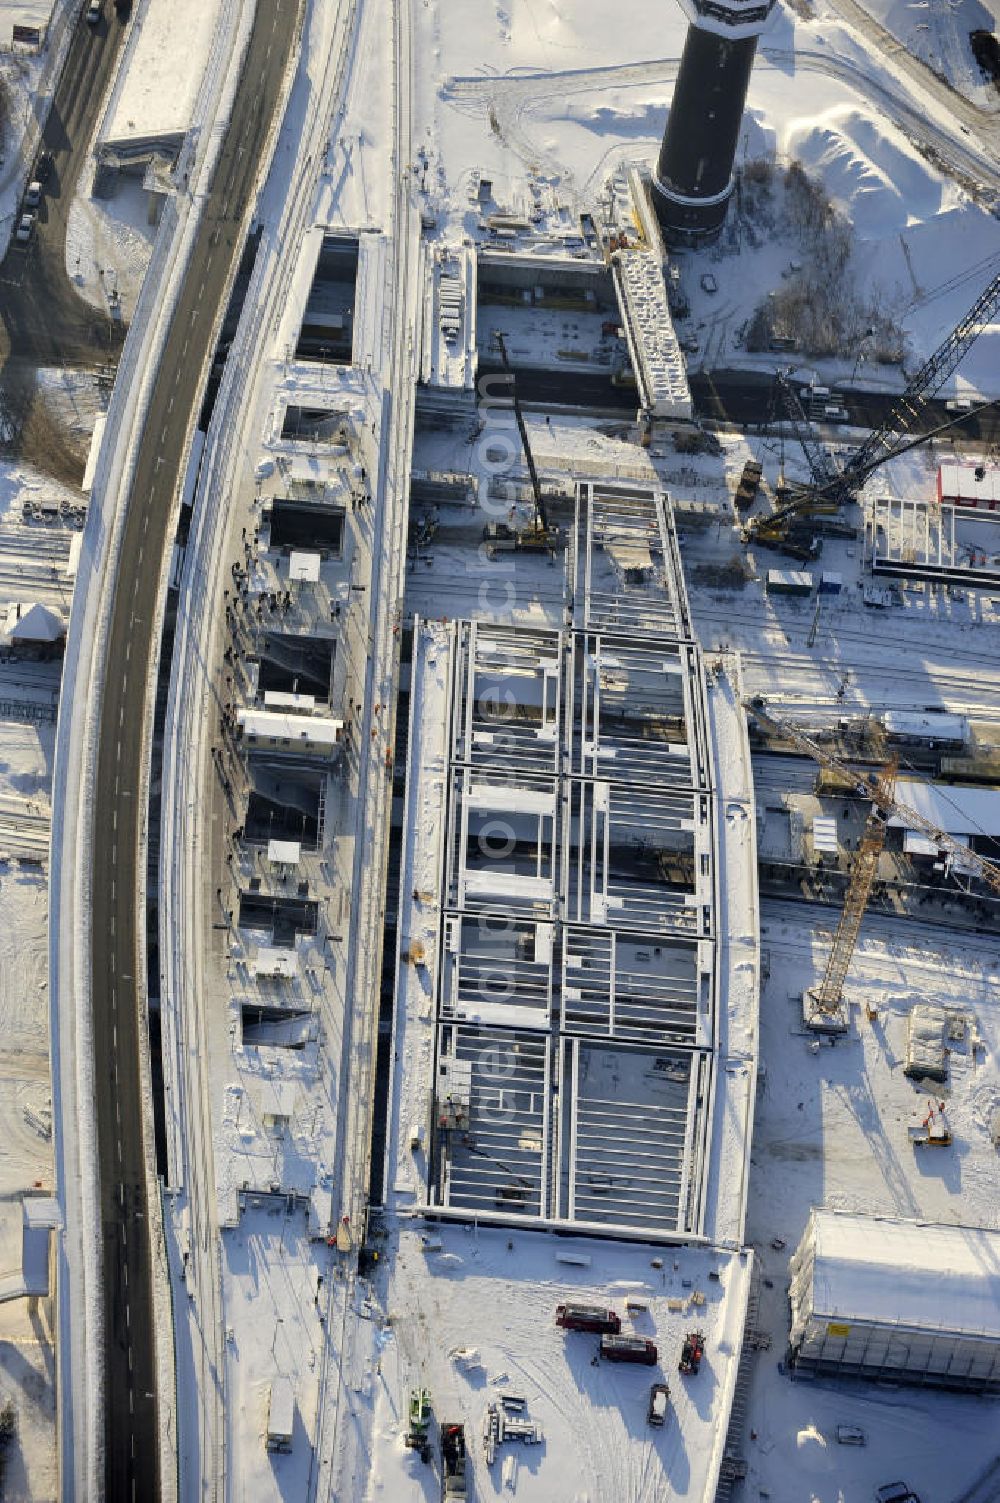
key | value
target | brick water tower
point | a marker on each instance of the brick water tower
(693, 181)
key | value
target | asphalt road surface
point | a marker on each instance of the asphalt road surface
(132, 1418)
(45, 321)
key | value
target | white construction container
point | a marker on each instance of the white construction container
(280, 1415)
(926, 727)
(907, 1300)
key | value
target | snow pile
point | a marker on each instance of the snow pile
(879, 180)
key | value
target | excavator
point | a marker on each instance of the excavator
(786, 528)
(540, 535)
(823, 1006)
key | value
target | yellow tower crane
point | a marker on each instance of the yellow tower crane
(824, 1004)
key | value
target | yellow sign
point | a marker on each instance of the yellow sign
(837, 1330)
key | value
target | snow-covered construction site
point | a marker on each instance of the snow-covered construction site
(500, 751)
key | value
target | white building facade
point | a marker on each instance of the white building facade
(907, 1300)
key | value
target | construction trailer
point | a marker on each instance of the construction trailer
(932, 728)
(976, 485)
(280, 1415)
(789, 582)
(887, 1299)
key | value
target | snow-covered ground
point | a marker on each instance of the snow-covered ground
(25, 13)
(474, 1317)
(937, 34)
(27, 1375)
(832, 1120)
(25, 1106)
(27, 1352)
(109, 242)
(832, 1130)
(554, 93)
(498, 93)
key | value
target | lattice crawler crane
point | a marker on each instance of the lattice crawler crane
(831, 486)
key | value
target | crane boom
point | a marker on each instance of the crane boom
(886, 441)
(864, 869)
(826, 477)
(921, 387)
(543, 521)
(882, 794)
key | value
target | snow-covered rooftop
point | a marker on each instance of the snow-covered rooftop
(975, 484)
(656, 355)
(954, 808)
(152, 102)
(305, 731)
(34, 622)
(489, 1310)
(910, 1273)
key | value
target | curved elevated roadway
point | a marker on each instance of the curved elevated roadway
(130, 1405)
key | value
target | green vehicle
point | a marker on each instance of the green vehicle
(419, 1422)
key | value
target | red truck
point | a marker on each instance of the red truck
(629, 1349)
(588, 1318)
(452, 1462)
(691, 1353)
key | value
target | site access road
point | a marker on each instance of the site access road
(132, 1412)
(45, 321)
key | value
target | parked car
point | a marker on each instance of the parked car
(580, 1317)
(33, 195)
(25, 228)
(895, 1492)
(94, 12)
(659, 1404)
(43, 167)
(629, 1349)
